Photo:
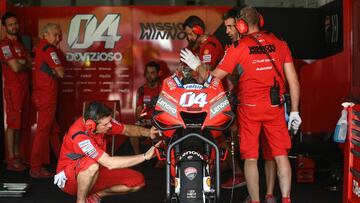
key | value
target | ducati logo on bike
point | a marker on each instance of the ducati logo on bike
(190, 173)
(190, 98)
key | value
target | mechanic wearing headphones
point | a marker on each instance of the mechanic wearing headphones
(206, 47)
(267, 63)
(86, 170)
(270, 165)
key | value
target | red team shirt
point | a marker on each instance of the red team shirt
(211, 51)
(258, 74)
(16, 84)
(90, 148)
(145, 95)
(44, 79)
(13, 49)
(90, 145)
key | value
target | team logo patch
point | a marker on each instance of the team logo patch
(190, 173)
(6, 52)
(206, 58)
(55, 58)
(206, 51)
(88, 149)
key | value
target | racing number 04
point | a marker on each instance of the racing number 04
(190, 98)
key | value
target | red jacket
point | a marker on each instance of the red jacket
(79, 143)
(13, 49)
(45, 84)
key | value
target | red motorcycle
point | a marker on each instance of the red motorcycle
(192, 117)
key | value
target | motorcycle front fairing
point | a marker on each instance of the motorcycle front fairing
(192, 116)
(192, 106)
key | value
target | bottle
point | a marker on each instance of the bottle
(341, 128)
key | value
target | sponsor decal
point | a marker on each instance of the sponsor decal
(162, 30)
(269, 48)
(177, 81)
(215, 83)
(193, 87)
(255, 61)
(263, 68)
(146, 99)
(55, 58)
(188, 99)
(171, 84)
(193, 108)
(106, 31)
(191, 194)
(218, 106)
(88, 148)
(167, 106)
(208, 81)
(356, 188)
(206, 58)
(6, 52)
(190, 173)
(191, 153)
(206, 51)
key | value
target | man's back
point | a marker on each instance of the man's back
(258, 70)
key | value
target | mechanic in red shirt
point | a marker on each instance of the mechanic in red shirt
(260, 90)
(48, 68)
(145, 99)
(270, 167)
(16, 66)
(206, 47)
(86, 170)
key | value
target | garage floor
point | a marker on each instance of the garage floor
(43, 191)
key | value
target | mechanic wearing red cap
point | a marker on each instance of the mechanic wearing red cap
(266, 62)
(16, 66)
(86, 170)
(48, 68)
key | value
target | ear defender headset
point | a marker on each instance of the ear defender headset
(196, 24)
(197, 29)
(90, 122)
(243, 27)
